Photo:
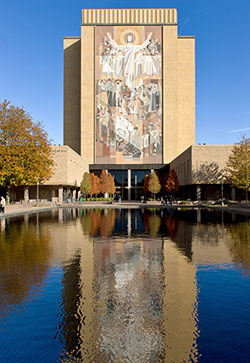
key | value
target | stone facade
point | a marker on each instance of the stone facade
(195, 165)
(200, 170)
(178, 83)
(65, 182)
(72, 89)
(69, 167)
(179, 93)
(201, 164)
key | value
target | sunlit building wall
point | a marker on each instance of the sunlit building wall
(129, 92)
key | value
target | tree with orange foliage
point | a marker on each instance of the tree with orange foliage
(145, 183)
(25, 150)
(107, 222)
(172, 225)
(104, 182)
(95, 216)
(171, 183)
(112, 184)
(95, 183)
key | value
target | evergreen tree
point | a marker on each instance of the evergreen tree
(154, 185)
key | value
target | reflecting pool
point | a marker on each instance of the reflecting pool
(116, 285)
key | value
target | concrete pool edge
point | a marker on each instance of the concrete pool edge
(125, 205)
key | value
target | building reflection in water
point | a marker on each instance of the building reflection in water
(130, 296)
(129, 288)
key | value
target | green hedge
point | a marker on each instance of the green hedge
(99, 199)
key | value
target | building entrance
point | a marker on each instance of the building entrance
(128, 182)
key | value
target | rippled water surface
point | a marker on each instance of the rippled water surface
(125, 286)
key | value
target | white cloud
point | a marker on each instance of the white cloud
(240, 130)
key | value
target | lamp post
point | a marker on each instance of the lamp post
(37, 193)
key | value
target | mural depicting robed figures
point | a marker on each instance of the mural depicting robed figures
(128, 94)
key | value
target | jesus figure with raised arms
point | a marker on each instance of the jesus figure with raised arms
(129, 50)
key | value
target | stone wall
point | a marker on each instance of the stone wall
(69, 167)
(72, 72)
(87, 128)
(201, 164)
(182, 166)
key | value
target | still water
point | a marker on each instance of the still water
(125, 286)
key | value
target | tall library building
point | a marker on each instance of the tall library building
(129, 99)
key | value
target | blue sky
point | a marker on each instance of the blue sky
(31, 61)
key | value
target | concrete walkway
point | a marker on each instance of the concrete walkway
(19, 209)
(10, 212)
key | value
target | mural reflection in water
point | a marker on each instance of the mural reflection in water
(129, 304)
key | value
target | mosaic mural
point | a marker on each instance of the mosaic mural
(128, 74)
